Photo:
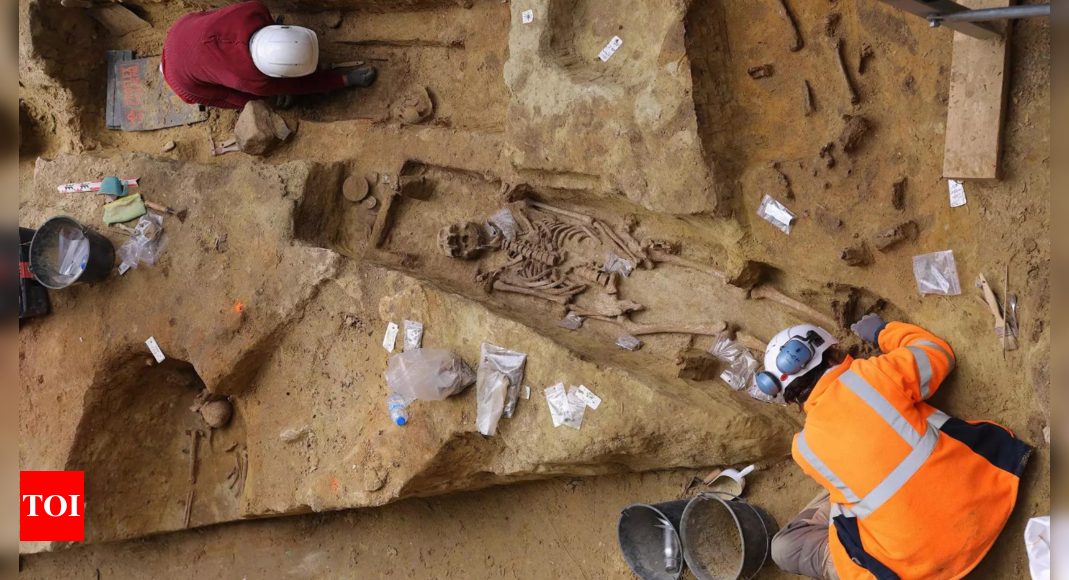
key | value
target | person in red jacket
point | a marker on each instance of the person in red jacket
(226, 58)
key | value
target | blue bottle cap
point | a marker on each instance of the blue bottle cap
(401, 421)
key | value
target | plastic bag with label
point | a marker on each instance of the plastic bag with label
(427, 375)
(937, 273)
(147, 243)
(564, 407)
(500, 378)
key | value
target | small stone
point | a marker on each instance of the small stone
(258, 129)
(168, 146)
(856, 256)
(760, 72)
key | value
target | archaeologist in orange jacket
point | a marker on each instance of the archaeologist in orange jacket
(228, 57)
(910, 492)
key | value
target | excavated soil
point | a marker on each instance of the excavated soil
(670, 139)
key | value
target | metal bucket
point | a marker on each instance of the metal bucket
(649, 536)
(726, 539)
(45, 259)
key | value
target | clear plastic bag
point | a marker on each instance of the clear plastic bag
(937, 273)
(564, 407)
(741, 364)
(506, 223)
(571, 322)
(73, 252)
(621, 266)
(628, 342)
(776, 214)
(413, 335)
(427, 374)
(147, 243)
(500, 378)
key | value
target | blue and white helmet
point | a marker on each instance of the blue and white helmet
(792, 353)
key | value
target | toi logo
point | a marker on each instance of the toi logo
(52, 506)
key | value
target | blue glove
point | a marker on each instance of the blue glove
(363, 77)
(869, 327)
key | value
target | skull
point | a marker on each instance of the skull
(464, 240)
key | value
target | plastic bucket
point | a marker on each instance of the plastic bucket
(644, 538)
(726, 539)
(45, 256)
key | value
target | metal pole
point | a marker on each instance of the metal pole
(1008, 13)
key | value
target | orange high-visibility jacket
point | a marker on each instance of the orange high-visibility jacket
(916, 494)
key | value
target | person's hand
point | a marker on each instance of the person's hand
(361, 77)
(869, 327)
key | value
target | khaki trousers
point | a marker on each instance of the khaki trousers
(802, 547)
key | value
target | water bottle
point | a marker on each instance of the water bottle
(398, 410)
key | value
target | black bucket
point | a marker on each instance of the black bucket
(33, 297)
(45, 258)
(726, 539)
(646, 532)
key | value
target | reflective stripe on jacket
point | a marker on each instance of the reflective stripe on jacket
(916, 494)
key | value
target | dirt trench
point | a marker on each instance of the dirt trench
(675, 137)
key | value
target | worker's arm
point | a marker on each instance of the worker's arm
(919, 359)
(317, 82)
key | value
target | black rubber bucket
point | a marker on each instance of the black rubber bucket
(45, 258)
(646, 533)
(726, 538)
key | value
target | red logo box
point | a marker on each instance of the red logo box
(52, 506)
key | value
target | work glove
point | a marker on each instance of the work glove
(869, 327)
(361, 77)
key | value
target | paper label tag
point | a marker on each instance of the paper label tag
(527, 393)
(610, 49)
(585, 395)
(390, 339)
(778, 214)
(155, 348)
(124, 268)
(957, 193)
(527, 16)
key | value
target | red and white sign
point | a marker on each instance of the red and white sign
(52, 506)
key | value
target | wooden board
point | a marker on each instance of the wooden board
(114, 109)
(145, 101)
(978, 86)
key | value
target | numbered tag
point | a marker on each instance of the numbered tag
(527, 16)
(610, 49)
(390, 339)
(155, 348)
(585, 395)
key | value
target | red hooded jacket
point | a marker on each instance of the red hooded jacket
(206, 60)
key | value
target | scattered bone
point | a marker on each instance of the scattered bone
(355, 188)
(856, 128)
(662, 257)
(866, 53)
(751, 342)
(840, 61)
(230, 447)
(194, 440)
(785, 12)
(891, 237)
(560, 211)
(831, 24)
(259, 129)
(845, 311)
(168, 147)
(898, 194)
(384, 221)
(760, 72)
(414, 107)
(826, 155)
(697, 365)
(538, 253)
(505, 287)
(807, 99)
(635, 329)
(607, 306)
(768, 292)
(189, 509)
(217, 413)
(856, 255)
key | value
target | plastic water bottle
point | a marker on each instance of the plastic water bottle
(398, 410)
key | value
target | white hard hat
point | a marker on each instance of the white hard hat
(285, 51)
(792, 353)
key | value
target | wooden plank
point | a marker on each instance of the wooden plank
(118, 19)
(978, 87)
(114, 105)
(146, 102)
